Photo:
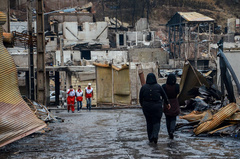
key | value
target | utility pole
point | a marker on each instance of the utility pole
(30, 52)
(116, 7)
(103, 9)
(41, 72)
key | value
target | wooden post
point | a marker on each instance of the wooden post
(196, 54)
(112, 87)
(47, 89)
(41, 72)
(57, 88)
(30, 53)
(209, 39)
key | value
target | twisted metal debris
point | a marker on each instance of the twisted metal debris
(16, 118)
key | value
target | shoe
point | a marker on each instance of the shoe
(68, 111)
(78, 111)
(155, 140)
(171, 136)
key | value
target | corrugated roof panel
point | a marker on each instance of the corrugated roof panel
(194, 17)
(16, 118)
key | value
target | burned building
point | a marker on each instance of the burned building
(184, 30)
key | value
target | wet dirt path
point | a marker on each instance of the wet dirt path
(115, 134)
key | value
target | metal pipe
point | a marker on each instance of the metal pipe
(221, 54)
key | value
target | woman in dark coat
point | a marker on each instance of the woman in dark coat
(151, 102)
(172, 90)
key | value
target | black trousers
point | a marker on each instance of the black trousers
(171, 123)
(153, 125)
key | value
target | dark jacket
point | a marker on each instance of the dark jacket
(172, 91)
(152, 93)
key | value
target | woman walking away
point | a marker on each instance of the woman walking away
(172, 89)
(151, 102)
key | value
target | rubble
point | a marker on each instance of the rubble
(115, 23)
(40, 111)
(213, 113)
(217, 119)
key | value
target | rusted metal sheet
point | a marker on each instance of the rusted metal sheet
(16, 118)
(113, 84)
(235, 118)
(195, 17)
(190, 78)
(225, 130)
(7, 37)
(193, 116)
(217, 118)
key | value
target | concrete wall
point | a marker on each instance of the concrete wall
(115, 56)
(76, 55)
(148, 67)
(144, 55)
(150, 59)
(73, 27)
(233, 58)
(51, 44)
(141, 24)
(80, 18)
(139, 38)
(20, 56)
(231, 23)
(93, 33)
(72, 55)
(66, 56)
(93, 30)
(18, 26)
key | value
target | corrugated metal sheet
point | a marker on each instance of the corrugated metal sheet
(190, 78)
(217, 118)
(195, 17)
(113, 84)
(16, 118)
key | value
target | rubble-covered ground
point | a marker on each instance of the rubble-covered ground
(118, 133)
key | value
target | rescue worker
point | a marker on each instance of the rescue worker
(71, 99)
(172, 90)
(79, 98)
(89, 95)
(151, 102)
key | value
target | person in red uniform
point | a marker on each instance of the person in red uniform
(79, 95)
(71, 99)
(89, 95)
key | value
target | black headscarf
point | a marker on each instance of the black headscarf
(171, 80)
(151, 79)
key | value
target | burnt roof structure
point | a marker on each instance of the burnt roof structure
(183, 35)
(188, 17)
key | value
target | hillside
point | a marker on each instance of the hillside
(160, 11)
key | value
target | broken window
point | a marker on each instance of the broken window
(86, 54)
(121, 39)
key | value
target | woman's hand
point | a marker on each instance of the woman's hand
(168, 106)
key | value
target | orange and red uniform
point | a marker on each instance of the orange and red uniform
(79, 94)
(71, 99)
(89, 91)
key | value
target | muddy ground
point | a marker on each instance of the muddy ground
(115, 134)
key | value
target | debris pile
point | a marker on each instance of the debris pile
(212, 113)
(41, 111)
(115, 23)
